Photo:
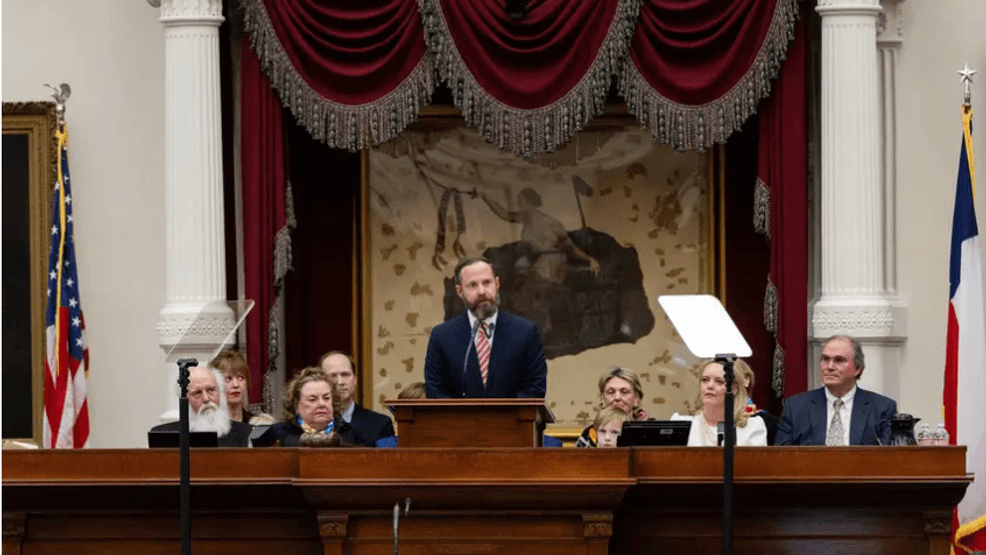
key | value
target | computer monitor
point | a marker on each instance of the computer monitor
(169, 438)
(639, 433)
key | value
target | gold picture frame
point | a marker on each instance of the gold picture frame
(37, 121)
(367, 329)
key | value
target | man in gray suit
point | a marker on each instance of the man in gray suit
(840, 413)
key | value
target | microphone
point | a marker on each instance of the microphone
(465, 360)
(720, 432)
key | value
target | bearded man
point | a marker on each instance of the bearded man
(486, 352)
(208, 412)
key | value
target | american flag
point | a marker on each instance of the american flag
(66, 415)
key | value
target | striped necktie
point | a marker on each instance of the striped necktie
(483, 351)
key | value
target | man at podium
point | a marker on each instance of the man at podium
(486, 352)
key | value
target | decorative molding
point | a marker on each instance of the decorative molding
(14, 525)
(597, 525)
(333, 526)
(183, 12)
(937, 525)
(892, 20)
(195, 327)
(854, 320)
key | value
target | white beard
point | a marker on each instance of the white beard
(210, 418)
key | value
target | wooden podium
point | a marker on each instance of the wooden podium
(470, 422)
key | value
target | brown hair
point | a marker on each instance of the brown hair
(469, 262)
(352, 362)
(232, 362)
(292, 392)
(414, 391)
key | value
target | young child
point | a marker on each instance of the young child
(608, 426)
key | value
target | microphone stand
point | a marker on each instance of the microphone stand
(728, 448)
(184, 481)
(465, 360)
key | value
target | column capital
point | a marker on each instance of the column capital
(190, 12)
(890, 24)
(827, 8)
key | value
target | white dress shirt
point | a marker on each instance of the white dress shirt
(491, 321)
(845, 412)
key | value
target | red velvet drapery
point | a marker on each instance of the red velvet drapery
(528, 85)
(697, 70)
(266, 245)
(782, 215)
(356, 74)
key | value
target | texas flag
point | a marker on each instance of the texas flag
(965, 353)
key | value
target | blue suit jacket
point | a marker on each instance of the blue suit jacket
(804, 419)
(517, 366)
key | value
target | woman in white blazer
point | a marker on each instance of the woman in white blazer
(750, 429)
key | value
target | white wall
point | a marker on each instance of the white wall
(112, 54)
(939, 38)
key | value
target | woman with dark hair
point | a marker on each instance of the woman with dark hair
(750, 429)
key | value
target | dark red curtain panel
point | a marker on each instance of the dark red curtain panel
(529, 85)
(698, 69)
(781, 213)
(266, 231)
(354, 74)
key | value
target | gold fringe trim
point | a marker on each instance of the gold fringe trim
(761, 208)
(770, 322)
(777, 372)
(282, 265)
(688, 127)
(352, 127)
(529, 132)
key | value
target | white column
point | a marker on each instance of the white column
(857, 266)
(189, 323)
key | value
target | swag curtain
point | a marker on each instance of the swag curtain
(356, 74)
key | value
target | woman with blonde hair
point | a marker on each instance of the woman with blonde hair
(750, 429)
(619, 388)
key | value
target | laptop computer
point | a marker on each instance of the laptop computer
(168, 438)
(663, 433)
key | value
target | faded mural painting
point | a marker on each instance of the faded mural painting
(584, 240)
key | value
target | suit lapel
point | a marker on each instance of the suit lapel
(860, 414)
(818, 414)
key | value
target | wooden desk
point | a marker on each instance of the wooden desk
(493, 501)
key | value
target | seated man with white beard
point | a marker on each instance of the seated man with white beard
(207, 410)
